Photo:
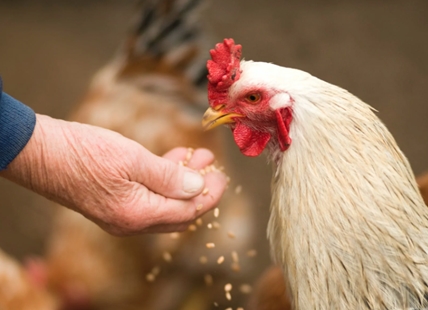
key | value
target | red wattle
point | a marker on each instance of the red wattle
(250, 142)
(283, 120)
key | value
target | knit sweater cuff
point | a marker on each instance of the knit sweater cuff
(17, 122)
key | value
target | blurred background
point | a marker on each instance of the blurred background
(49, 51)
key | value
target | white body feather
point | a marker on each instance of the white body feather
(347, 222)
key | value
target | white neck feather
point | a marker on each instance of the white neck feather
(347, 223)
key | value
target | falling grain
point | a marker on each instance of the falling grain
(203, 259)
(210, 245)
(167, 257)
(245, 289)
(174, 235)
(150, 277)
(235, 257)
(231, 235)
(210, 226)
(216, 212)
(215, 304)
(228, 296)
(238, 189)
(155, 270)
(251, 253)
(199, 222)
(228, 287)
(208, 279)
(235, 267)
(220, 260)
(216, 225)
(192, 227)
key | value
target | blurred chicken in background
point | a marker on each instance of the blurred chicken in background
(20, 291)
(154, 92)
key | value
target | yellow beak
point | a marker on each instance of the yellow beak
(216, 117)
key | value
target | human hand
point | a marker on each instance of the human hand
(114, 181)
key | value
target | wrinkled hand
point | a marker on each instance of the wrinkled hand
(114, 181)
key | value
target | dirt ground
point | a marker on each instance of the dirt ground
(376, 49)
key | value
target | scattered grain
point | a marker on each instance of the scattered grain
(199, 222)
(155, 270)
(228, 287)
(235, 256)
(199, 207)
(167, 257)
(189, 153)
(174, 235)
(216, 212)
(216, 225)
(192, 227)
(238, 189)
(210, 245)
(208, 279)
(150, 277)
(210, 226)
(215, 304)
(245, 289)
(220, 260)
(205, 191)
(235, 267)
(251, 253)
(228, 296)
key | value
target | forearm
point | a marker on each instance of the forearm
(35, 167)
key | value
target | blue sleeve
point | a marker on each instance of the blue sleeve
(17, 123)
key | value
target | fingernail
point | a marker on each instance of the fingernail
(193, 182)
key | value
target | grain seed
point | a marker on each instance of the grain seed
(220, 260)
(210, 245)
(208, 279)
(167, 257)
(205, 191)
(245, 289)
(238, 189)
(235, 257)
(216, 212)
(228, 287)
(231, 235)
(251, 253)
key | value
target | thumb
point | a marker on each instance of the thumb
(169, 179)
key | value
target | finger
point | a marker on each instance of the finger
(152, 209)
(167, 178)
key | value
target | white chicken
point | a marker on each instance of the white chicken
(348, 224)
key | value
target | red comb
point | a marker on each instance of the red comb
(223, 70)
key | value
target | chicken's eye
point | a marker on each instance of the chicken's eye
(253, 98)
